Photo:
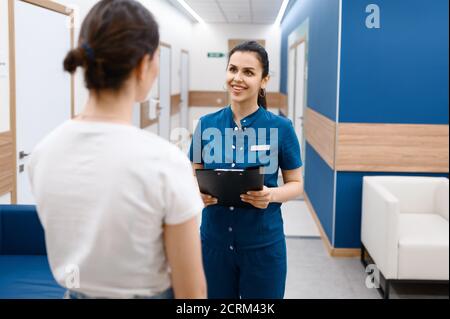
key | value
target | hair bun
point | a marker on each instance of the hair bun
(73, 60)
(114, 38)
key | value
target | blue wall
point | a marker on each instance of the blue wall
(323, 51)
(322, 91)
(319, 185)
(398, 73)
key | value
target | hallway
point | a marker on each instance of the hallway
(334, 114)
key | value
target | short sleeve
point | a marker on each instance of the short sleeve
(34, 158)
(290, 153)
(181, 192)
(195, 150)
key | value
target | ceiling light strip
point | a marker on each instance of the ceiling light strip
(191, 11)
(281, 12)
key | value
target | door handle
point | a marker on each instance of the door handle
(22, 155)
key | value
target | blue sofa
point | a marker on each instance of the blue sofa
(24, 268)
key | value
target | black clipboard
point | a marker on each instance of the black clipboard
(227, 185)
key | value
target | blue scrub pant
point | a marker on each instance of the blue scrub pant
(248, 273)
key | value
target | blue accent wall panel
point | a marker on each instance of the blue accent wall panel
(348, 206)
(319, 185)
(398, 73)
(323, 51)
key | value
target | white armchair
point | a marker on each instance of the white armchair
(405, 228)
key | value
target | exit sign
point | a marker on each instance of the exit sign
(216, 55)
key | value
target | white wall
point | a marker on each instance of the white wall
(4, 67)
(208, 74)
(175, 30)
(5, 199)
(82, 8)
(179, 38)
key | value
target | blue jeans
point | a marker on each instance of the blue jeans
(168, 294)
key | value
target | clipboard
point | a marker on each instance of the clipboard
(227, 185)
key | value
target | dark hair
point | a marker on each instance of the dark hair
(263, 57)
(114, 37)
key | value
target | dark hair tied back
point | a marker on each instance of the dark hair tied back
(114, 37)
(73, 60)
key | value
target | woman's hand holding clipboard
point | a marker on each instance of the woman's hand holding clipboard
(208, 200)
(225, 186)
(258, 199)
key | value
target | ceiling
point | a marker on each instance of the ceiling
(236, 11)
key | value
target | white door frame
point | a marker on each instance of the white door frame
(293, 100)
(184, 92)
(165, 100)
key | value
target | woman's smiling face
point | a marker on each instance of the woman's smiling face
(244, 77)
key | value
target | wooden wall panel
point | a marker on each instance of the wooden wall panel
(175, 101)
(277, 100)
(284, 108)
(393, 148)
(6, 163)
(320, 132)
(208, 98)
(234, 42)
(220, 99)
(145, 111)
(145, 108)
(334, 252)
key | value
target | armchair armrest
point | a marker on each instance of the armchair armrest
(441, 205)
(379, 228)
(21, 232)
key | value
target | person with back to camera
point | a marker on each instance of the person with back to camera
(117, 203)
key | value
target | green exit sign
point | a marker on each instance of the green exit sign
(216, 55)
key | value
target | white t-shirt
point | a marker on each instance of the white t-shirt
(103, 193)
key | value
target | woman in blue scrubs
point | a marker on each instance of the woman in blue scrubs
(244, 249)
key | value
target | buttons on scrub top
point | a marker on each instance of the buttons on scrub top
(231, 208)
(231, 247)
(230, 229)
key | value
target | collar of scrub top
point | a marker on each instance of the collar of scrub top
(247, 121)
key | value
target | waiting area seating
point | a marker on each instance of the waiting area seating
(405, 228)
(24, 269)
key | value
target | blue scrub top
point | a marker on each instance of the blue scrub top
(264, 139)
